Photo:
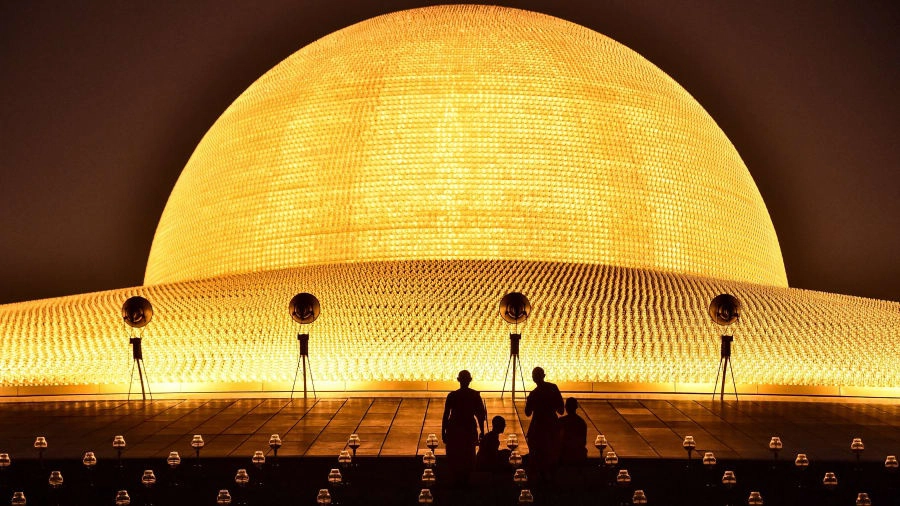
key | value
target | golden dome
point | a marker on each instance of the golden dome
(465, 133)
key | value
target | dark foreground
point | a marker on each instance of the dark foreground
(397, 481)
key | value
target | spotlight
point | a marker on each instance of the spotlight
(137, 313)
(304, 309)
(724, 310)
(514, 308)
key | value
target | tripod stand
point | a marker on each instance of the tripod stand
(303, 358)
(723, 369)
(513, 361)
(138, 355)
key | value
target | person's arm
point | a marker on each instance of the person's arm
(560, 405)
(529, 409)
(445, 419)
(481, 415)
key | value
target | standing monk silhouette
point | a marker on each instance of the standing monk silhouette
(544, 402)
(462, 425)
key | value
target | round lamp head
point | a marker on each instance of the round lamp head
(137, 312)
(514, 307)
(304, 308)
(725, 309)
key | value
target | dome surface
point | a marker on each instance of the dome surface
(465, 133)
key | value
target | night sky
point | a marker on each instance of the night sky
(104, 101)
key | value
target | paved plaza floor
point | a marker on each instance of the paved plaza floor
(636, 427)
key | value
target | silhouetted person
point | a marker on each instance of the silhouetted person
(573, 436)
(490, 457)
(462, 424)
(542, 405)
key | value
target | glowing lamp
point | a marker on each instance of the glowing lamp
(258, 458)
(223, 498)
(519, 477)
(890, 462)
(639, 497)
(830, 481)
(89, 459)
(148, 479)
(611, 459)
(512, 442)
(122, 498)
(18, 499)
(526, 497)
(429, 459)
(729, 479)
(344, 459)
(428, 478)
(600, 443)
(56, 479)
(431, 442)
(242, 477)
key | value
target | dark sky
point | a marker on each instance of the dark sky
(104, 101)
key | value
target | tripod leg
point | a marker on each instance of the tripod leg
(131, 379)
(296, 371)
(147, 377)
(505, 376)
(140, 366)
(732, 380)
(515, 360)
(724, 373)
(312, 380)
(521, 375)
(304, 378)
(716, 383)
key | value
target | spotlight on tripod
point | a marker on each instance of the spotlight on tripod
(137, 313)
(514, 308)
(725, 309)
(304, 308)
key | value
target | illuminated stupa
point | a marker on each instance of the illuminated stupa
(411, 169)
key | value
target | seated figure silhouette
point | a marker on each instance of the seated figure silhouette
(490, 457)
(464, 414)
(573, 436)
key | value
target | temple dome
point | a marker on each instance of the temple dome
(465, 133)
